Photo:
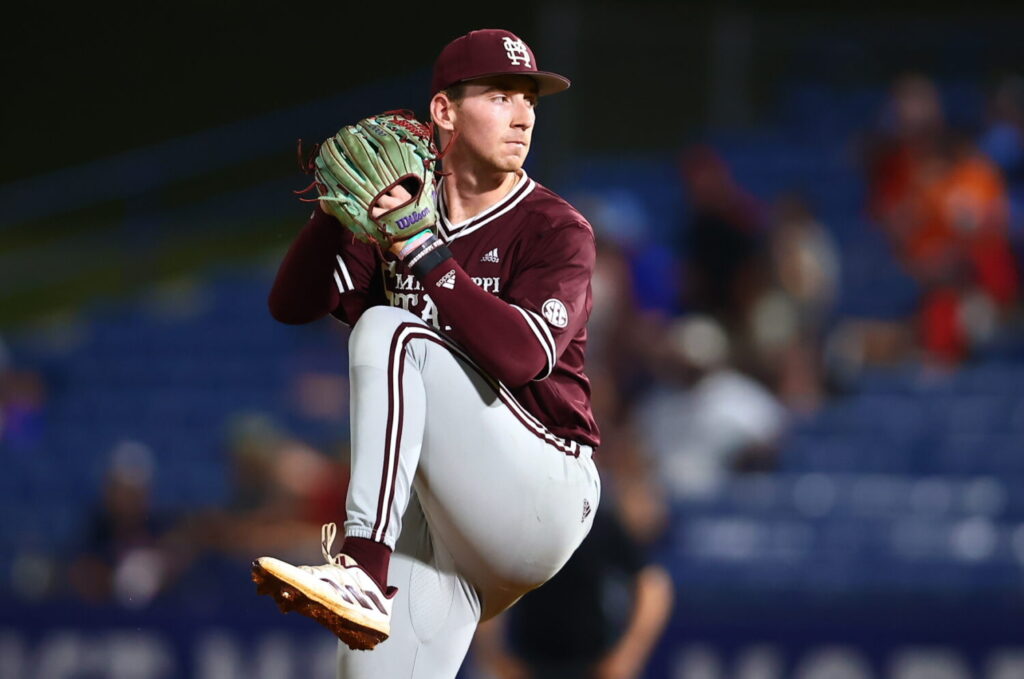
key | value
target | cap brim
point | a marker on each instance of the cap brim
(547, 82)
(550, 83)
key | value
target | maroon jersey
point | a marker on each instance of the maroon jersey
(515, 294)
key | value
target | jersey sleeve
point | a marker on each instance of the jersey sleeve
(325, 271)
(552, 289)
(519, 336)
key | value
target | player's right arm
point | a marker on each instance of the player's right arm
(324, 272)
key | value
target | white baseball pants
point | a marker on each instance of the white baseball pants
(499, 505)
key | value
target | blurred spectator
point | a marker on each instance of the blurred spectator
(1003, 137)
(912, 127)
(598, 618)
(630, 473)
(855, 344)
(122, 558)
(804, 260)
(722, 241)
(23, 397)
(706, 420)
(787, 324)
(612, 343)
(252, 442)
(622, 225)
(321, 395)
(945, 210)
(1002, 141)
(634, 289)
(283, 491)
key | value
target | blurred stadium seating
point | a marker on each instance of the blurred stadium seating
(912, 481)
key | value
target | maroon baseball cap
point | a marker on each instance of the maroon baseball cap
(487, 52)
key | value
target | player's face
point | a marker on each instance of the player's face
(495, 121)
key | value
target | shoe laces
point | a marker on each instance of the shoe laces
(328, 532)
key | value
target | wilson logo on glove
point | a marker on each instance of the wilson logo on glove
(406, 222)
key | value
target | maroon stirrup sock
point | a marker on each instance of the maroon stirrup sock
(374, 557)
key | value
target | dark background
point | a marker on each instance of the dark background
(83, 81)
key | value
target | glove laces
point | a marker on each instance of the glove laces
(402, 118)
(406, 119)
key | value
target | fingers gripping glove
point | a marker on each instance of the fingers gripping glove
(362, 162)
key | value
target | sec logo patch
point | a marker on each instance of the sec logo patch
(556, 313)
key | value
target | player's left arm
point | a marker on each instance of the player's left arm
(551, 289)
(519, 336)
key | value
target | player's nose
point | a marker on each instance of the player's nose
(524, 116)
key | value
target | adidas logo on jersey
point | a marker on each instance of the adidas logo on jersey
(491, 257)
(447, 280)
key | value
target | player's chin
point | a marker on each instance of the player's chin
(512, 163)
(512, 157)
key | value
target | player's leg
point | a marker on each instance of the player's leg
(507, 498)
(350, 594)
(433, 619)
(510, 500)
(388, 407)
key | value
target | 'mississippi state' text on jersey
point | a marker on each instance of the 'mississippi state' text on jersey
(515, 295)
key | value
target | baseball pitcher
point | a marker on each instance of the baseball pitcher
(467, 286)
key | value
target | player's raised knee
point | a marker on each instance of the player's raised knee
(386, 317)
(377, 326)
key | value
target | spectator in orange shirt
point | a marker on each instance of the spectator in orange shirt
(945, 209)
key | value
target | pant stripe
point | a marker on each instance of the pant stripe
(392, 442)
(396, 368)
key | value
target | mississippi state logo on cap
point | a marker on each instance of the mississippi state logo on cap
(489, 52)
(516, 51)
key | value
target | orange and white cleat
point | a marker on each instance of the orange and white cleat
(339, 594)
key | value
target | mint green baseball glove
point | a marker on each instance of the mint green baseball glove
(362, 162)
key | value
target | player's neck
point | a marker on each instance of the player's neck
(468, 194)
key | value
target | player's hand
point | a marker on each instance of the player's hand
(389, 201)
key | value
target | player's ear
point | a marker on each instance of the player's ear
(442, 112)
